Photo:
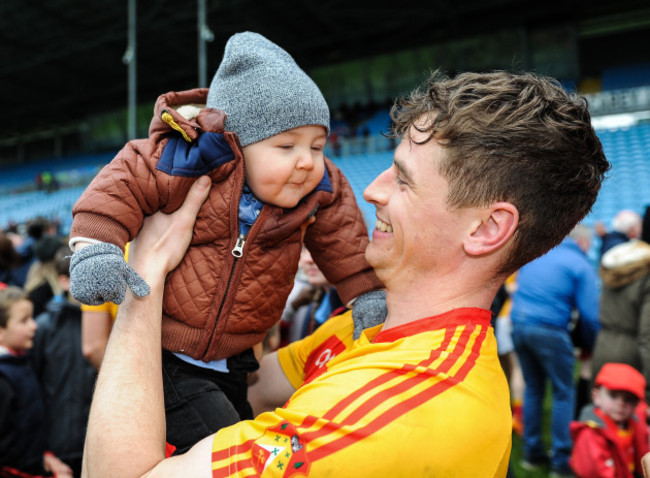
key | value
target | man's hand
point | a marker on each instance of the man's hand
(164, 238)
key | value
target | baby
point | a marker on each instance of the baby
(260, 138)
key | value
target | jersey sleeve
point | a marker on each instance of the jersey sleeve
(302, 359)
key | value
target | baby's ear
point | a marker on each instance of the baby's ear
(492, 229)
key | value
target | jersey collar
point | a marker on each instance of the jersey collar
(452, 318)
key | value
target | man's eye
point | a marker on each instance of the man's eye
(400, 180)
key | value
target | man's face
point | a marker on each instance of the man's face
(415, 231)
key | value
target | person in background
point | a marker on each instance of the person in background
(96, 326)
(315, 302)
(35, 229)
(626, 225)
(624, 334)
(548, 289)
(645, 226)
(609, 439)
(9, 261)
(67, 379)
(493, 170)
(42, 282)
(507, 354)
(23, 428)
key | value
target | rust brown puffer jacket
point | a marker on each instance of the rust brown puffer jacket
(215, 304)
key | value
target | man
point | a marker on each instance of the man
(492, 171)
(626, 225)
(548, 290)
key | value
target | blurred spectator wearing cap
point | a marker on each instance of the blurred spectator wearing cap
(626, 225)
(609, 439)
(42, 282)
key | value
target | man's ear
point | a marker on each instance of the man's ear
(493, 229)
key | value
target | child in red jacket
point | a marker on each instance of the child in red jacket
(609, 439)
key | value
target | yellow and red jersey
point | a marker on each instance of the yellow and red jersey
(427, 398)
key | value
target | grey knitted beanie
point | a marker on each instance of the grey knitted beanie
(263, 91)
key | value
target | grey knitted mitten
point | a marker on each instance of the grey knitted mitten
(99, 273)
(368, 310)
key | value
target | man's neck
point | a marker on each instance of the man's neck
(427, 300)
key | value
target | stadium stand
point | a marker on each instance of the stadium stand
(627, 148)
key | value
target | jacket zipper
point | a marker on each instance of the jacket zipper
(237, 252)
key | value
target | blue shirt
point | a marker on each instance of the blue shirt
(553, 285)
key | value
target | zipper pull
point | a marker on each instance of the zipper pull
(238, 250)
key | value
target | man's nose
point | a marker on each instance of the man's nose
(376, 192)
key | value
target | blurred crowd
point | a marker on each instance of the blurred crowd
(576, 322)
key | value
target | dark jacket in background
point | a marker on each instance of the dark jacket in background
(66, 378)
(22, 416)
(610, 240)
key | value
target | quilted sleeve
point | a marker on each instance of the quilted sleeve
(337, 241)
(114, 204)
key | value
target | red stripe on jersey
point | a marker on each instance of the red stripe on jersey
(227, 453)
(401, 408)
(334, 411)
(233, 450)
(411, 382)
(384, 394)
(233, 467)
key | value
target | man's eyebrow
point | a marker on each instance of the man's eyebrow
(403, 170)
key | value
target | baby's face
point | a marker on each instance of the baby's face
(284, 168)
(619, 405)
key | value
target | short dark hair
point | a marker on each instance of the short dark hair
(515, 137)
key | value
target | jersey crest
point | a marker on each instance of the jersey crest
(282, 450)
